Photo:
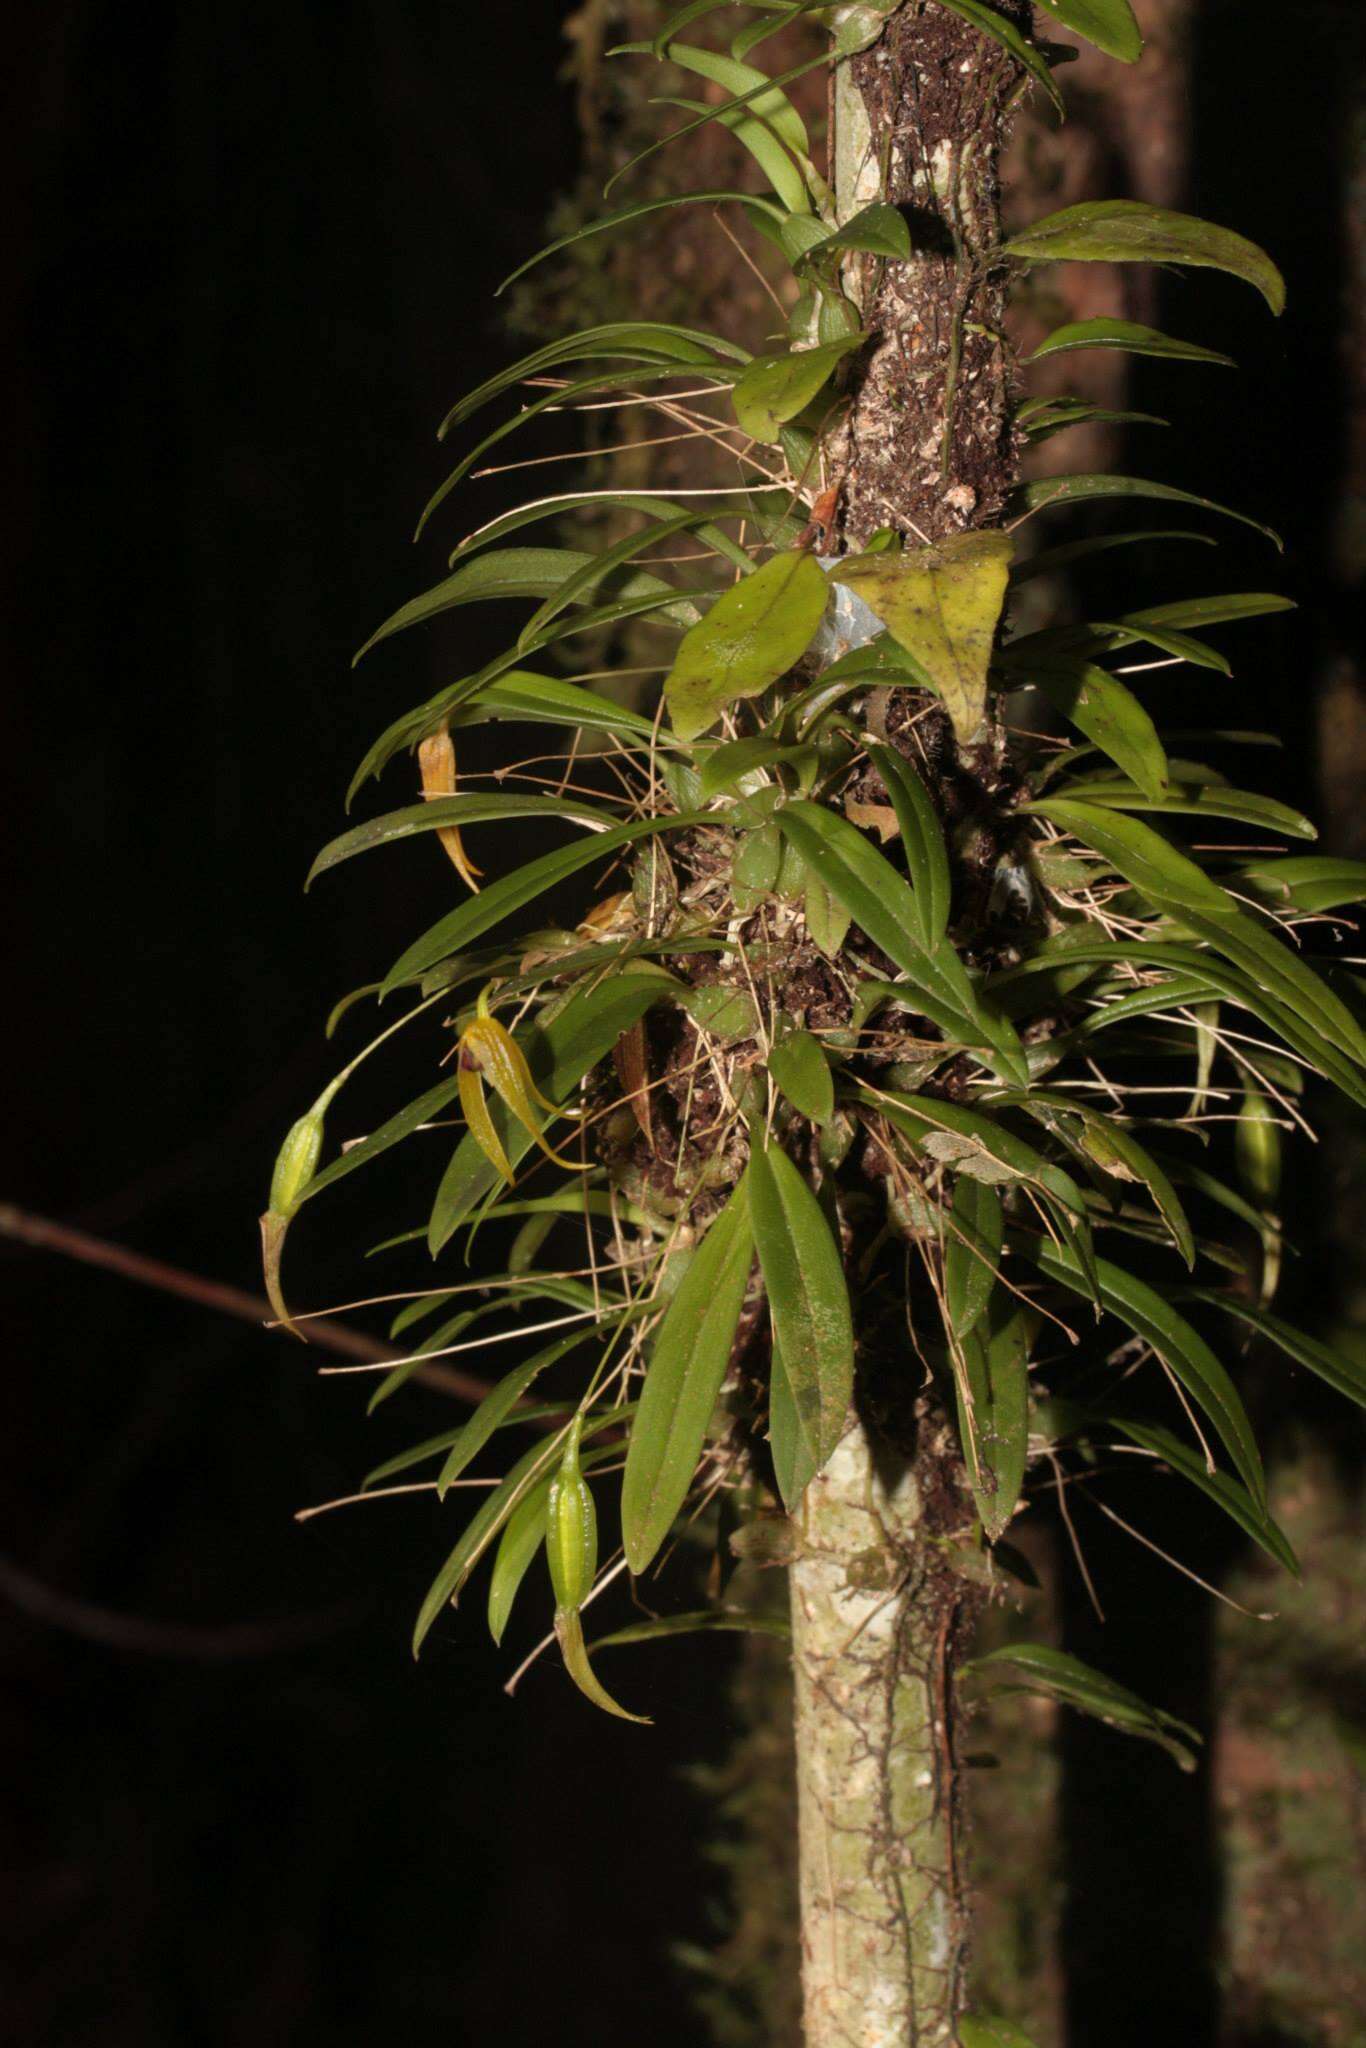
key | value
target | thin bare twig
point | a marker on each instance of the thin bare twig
(43, 1234)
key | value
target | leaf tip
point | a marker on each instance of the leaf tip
(273, 1229)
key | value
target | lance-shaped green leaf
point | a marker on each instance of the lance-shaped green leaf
(1209, 975)
(1100, 706)
(1312, 882)
(687, 1366)
(639, 209)
(479, 1533)
(563, 397)
(1180, 1347)
(447, 706)
(706, 1621)
(1109, 24)
(757, 137)
(775, 388)
(1034, 1667)
(1217, 610)
(518, 1547)
(508, 572)
(943, 605)
(802, 1071)
(578, 585)
(1343, 1373)
(644, 341)
(651, 502)
(1116, 1151)
(988, 2030)
(725, 765)
(877, 230)
(880, 660)
(436, 1446)
(445, 1333)
(974, 1234)
(1122, 334)
(1004, 32)
(752, 635)
(444, 812)
(883, 904)
(976, 1144)
(1046, 491)
(1101, 636)
(752, 90)
(777, 17)
(397, 1127)
(922, 836)
(1049, 560)
(559, 1053)
(489, 1518)
(1220, 1487)
(1129, 231)
(992, 1387)
(1176, 885)
(510, 892)
(813, 1336)
(1042, 418)
(551, 700)
(495, 1407)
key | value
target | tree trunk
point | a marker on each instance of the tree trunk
(928, 449)
(873, 1611)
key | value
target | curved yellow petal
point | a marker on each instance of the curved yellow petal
(491, 1048)
(471, 1091)
(436, 762)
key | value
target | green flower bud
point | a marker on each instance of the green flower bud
(571, 1530)
(297, 1162)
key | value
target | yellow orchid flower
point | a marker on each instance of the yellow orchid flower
(436, 760)
(488, 1051)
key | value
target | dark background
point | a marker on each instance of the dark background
(251, 265)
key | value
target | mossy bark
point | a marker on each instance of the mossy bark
(928, 448)
(920, 117)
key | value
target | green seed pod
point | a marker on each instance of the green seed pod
(297, 1162)
(571, 1530)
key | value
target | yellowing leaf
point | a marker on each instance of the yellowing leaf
(752, 635)
(943, 604)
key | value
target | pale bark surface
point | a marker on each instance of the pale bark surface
(930, 450)
(882, 1921)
